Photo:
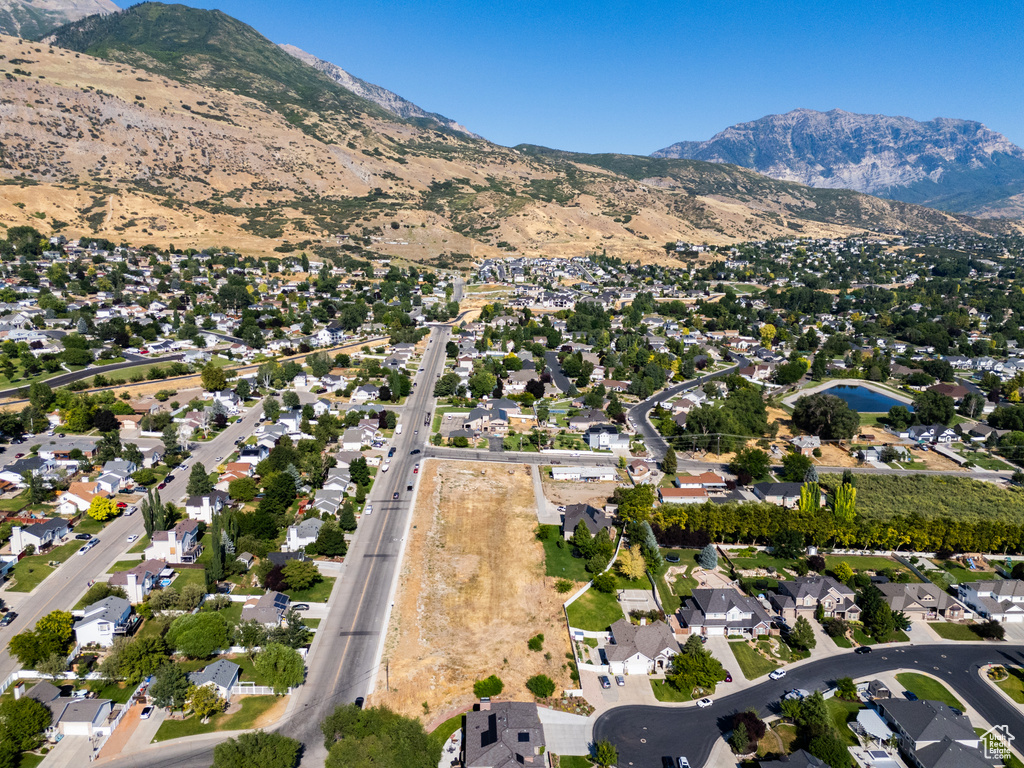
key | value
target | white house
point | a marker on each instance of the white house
(140, 580)
(178, 545)
(103, 621)
(302, 534)
(1001, 601)
(38, 535)
(203, 506)
(221, 676)
(583, 474)
(352, 440)
(365, 393)
(640, 650)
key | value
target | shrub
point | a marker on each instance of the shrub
(536, 643)
(605, 583)
(488, 687)
(816, 563)
(541, 686)
(565, 585)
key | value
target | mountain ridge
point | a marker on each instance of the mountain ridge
(31, 19)
(947, 163)
(382, 97)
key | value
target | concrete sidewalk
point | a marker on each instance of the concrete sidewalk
(547, 513)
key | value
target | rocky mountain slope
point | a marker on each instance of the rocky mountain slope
(382, 97)
(956, 165)
(31, 19)
(172, 125)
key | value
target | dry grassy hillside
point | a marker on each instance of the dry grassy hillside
(96, 147)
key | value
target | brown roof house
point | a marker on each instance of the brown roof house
(504, 735)
(803, 595)
(640, 650)
(921, 601)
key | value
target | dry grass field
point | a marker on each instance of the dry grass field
(472, 592)
(566, 492)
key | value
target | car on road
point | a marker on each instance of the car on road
(416, 469)
(561, 509)
(394, 497)
(18, 455)
(368, 510)
(728, 676)
(620, 680)
(391, 453)
(122, 505)
(777, 674)
(300, 607)
(605, 682)
(359, 702)
(169, 478)
(8, 618)
(415, 452)
(684, 763)
(863, 649)
(161, 486)
(408, 487)
(61, 435)
(704, 703)
(219, 458)
(85, 549)
(133, 537)
(131, 511)
(911, 696)
(83, 536)
(415, 431)
(146, 713)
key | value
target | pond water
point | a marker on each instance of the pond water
(864, 400)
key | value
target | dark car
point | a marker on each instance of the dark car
(605, 682)
(169, 478)
(911, 696)
(300, 607)
(395, 496)
(863, 649)
(8, 618)
(408, 487)
(415, 452)
(728, 677)
(359, 701)
(83, 536)
(391, 453)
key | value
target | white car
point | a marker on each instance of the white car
(778, 674)
(704, 703)
(133, 537)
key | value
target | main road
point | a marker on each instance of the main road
(343, 660)
(645, 735)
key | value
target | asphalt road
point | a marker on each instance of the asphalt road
(560, 379)
(68, 583)
(517, 457)
(645, 735)
(67, 378)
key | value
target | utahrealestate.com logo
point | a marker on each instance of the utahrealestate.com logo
(996, 742)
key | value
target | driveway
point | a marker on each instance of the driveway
(70, 752)
(565, 733)
(547, 513)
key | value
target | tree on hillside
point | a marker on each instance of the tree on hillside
(668, 464)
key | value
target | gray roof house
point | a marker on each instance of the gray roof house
(268, 609)
(921, 601)
(504, 735)
(303, 534)
(103, 620)
(221, 675)
(723, 612)
(595, 519)
(931, 735)
(783, 494)
(799, 759)
(803, 595)
(640, 650)
(1001, 600)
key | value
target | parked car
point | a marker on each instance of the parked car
(391, 453)
(704, 703)
(18, 455)
(728, 676)
(83, 536)
(684, 763)
(146, 713)
(161, 486)
(620, 680)
(300, 607)
(408, 487)
(8, 618)
(133, 537)
(131, 511)
(777, 674)
(122, 505)
(359, 702)
(911, 696)
(863, 649)
(605, 682)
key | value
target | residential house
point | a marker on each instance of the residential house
(221, 676)
(139, 581)
(640, 650)
(682, 495)
(799, 759)
(932, 735)
(72, 716)
(783, 494)
(595, 519)
(352, 440)
(705, 480)
(806, 444)
(45, 533)
(803, 595)
(605, 437)
(178, 545)
(583, 474)
(638, 468)
(933, 433)
(328, 500)
(229, 399)
(268, 609)
(1001, 601)
(721, 611)
(584, 420)
(504, 734)
(203, 506)
(302, 534)
(103, 621)
(921, 601)
(364, 393)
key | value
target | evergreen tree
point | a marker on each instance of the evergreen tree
(199, 480)
(347, 521)
(216, 568)
(669, 463)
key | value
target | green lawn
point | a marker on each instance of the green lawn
(118, 692)
(594, 611)
(960, 632)
(140, 546)
(842, 641)
(318, 593)
(559, 561)
(440, 735)
(88, 525)
(189, 576)
(1014, 684)
(30, 571)
(311, 623)
(155, 627)
(862, 562)
(926, 688)
(574, 761)
(958, 572)
(762, 560)
(985, 461)
(665, 691)
(752, 664)
(843, 712)
(123, 565)
(899, 636)
(252, 708)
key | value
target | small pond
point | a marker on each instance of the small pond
(864, 400)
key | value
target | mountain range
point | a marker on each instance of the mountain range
(954, 165)
(175, 125)
(33, 18)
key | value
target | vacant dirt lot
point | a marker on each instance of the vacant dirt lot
(568, 492)
(472, 592)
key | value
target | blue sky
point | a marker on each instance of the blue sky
(635, 77)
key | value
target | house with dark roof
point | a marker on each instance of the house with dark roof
(921, 601)
(783, 494)
(803, 595)
(205, 505)
(139, 581)
(221, 676)
(504, 735)
(72, 716)
(605, 437)
(103, 621)
(595, 519)
(268, 609)
(799, 759)
(303, 534)
(640, 650)
(42, 534)
(931, 735)
(723, 612)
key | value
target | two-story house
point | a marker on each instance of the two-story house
(721, 611)
(1001, 601)
(640, 650)
(930, 734)
(139, 581)
(803, 595)
(103, 621)
(922, 601)
(38, 535)
(178, 545)
(302, 534)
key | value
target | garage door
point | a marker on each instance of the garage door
(717, 631)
